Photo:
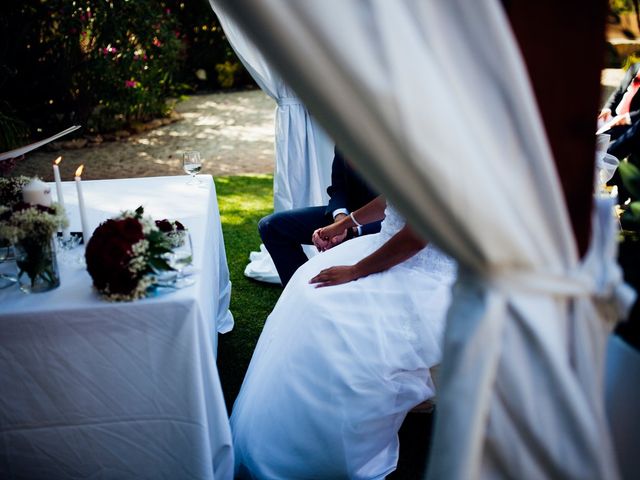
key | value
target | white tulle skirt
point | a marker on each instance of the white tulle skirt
(336, 370)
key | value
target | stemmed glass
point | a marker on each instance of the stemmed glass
(192, 164)
(180, 258)
(606, 165)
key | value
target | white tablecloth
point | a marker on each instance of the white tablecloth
(92, 389)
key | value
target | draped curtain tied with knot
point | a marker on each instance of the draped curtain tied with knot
(432, 101)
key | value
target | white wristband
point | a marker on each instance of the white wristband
(354, 220)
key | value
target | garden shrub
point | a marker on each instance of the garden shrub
(104, 64)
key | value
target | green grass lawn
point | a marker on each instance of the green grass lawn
(243, 201)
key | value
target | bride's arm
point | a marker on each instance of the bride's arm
(397, 249)
(329, 236)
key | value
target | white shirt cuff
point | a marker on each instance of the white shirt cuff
(338, 211)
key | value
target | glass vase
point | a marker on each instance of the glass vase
(7, 265)
(37, 265)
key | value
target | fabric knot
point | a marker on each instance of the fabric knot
(556, 284)
(286, 101)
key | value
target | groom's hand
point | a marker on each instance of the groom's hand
(320, 242)
(330, 236)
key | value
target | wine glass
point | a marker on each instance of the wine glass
(192, 164)
(180, 257)
(606, 165)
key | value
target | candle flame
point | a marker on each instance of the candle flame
(57, 160)
(79, 170)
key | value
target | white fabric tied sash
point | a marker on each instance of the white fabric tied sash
(599, 276)
(288, 101)
(571, 284)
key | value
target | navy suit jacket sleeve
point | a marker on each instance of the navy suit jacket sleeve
(338, 189)
(369, 228)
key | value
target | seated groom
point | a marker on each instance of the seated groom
(283, 233)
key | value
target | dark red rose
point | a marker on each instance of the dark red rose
(109, 253)
(179, 226)
(164, 225)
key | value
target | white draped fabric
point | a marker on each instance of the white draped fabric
(304, 152)
(432, 101)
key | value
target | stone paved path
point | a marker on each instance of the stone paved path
(233, 131)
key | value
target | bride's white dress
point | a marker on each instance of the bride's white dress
(336, 369)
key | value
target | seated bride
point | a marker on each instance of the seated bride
(337, 369)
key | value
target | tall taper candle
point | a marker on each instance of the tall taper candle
(83, 213)
(56, 176)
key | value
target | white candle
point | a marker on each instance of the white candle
(36, 192)
(56, 176)
(83, 213)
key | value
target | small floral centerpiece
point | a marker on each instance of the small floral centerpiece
(11, 190)
(125, 254)
(174, 231)
(30, 228)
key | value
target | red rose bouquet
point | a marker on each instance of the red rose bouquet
(125, 254)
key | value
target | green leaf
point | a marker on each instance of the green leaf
(159, 264)
(630, 218)
(630, 175)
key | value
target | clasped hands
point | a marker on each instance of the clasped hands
(327, 237)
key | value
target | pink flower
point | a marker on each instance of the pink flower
(130, 83)
(157, 42)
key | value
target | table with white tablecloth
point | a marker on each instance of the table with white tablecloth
(96, 389)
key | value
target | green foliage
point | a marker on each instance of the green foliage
(243, 201)
(207, 49)
(226, 73)
(13, 131)
(621, 6)
(104, 64)
(98, 63)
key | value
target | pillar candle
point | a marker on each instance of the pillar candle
(36, 192)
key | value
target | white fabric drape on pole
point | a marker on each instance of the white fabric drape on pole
(303, 151)
(431, 100)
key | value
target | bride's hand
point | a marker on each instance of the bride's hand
(335, 276)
